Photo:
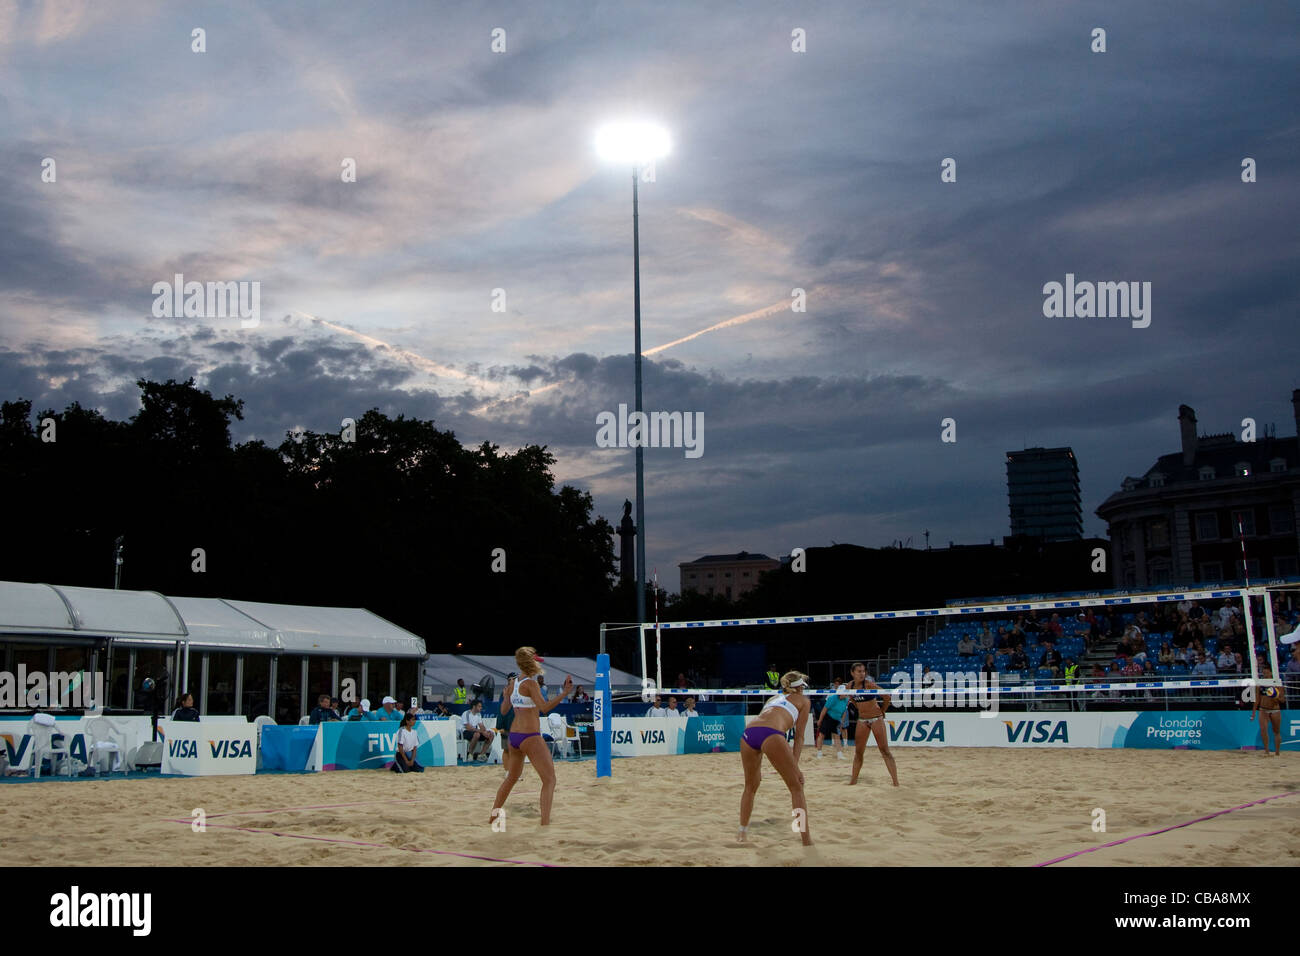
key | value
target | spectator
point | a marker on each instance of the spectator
(1196, 612)
(1004, 641)
(987, 642)
(1226, 614)
(1149, 671)
(1205, 667)
(1032, 625)
(672, 707)
(657, 708)
(404, 756)
(1051, 659)
(477, 732)
(990, 668)
(336, 705)
(1131, 669)
(185, 709)
(322, 712)
(579, 695)
(1166, 653)
(1181, 655)
(1019, 661)
(966, 646)
(440, 709)
(460, 693)
(541, 685)
(1055, 628)
(1227, 660)
(689, 709)
(361, 711)
(682, 680)
(388, 710)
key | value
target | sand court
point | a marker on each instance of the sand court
(956, 807)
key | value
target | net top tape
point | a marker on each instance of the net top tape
(915, 690)
(1155, 597)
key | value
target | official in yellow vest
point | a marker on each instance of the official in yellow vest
(1071, 671)
(773, 679)
(459, 693)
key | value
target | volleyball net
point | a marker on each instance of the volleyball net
(1253, 608)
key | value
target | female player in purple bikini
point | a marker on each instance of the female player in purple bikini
(523, 697)
(765, 735)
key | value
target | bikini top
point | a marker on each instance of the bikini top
(780, 701)
(520, 700)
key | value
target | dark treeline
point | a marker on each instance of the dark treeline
(403, 520)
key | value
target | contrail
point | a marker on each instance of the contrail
(724, 324)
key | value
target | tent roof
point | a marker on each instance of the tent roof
(143, 617)
(442, 670)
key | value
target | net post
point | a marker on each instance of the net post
(1271, 635)
(602, 715)
(1250, 641)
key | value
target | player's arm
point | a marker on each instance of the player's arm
(883, 699)
(505, 699)
(799, 726)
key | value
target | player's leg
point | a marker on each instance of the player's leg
(752, 762)
(782, 757)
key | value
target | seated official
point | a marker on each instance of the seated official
(404, 756)
(477, 733)
(185, 709)
(388, 710)
(322, 712)
(361, 711)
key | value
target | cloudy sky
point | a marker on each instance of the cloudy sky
(818, 170)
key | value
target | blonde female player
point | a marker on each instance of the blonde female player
(1269, 702)
(765, 735)
(871, 721)
(523, 697)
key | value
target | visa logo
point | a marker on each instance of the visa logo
(182, 748)
(652, 736)
(231, 748)
(622, 736)
(916, 731)
(1044, 731)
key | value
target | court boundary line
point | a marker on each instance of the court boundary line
(1176, 826)
(381, 846)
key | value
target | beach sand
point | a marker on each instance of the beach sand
(956, 807)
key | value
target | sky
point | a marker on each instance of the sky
(808, 143)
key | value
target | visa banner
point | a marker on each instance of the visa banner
(127, 732)
(208, 748)
(371, 745)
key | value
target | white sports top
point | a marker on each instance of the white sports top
(780, 701)
(520, 700)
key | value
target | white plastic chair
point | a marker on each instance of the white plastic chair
(41, 727)
(462, 745)
(304, 721)
(556, 727)
(103, 738)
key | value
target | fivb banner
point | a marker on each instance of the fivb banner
(372, 745)
(201, 748)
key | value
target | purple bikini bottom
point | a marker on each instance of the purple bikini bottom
(754, 736)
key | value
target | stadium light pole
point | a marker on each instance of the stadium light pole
(635, 144)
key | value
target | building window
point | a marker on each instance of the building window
(1285, 567)
(1281, 519)
(1157, 480)
(1277, 465)
(1158, 574)
(1207, 472)
(1158, 534)
(1246, 520)
(1211, 571)
(744, 574)
(709, 575)
(727, 574)
(1207, 526)
(1251, 568)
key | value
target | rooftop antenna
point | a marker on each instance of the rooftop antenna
(927, 539)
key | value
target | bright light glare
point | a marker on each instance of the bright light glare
(632, 143)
